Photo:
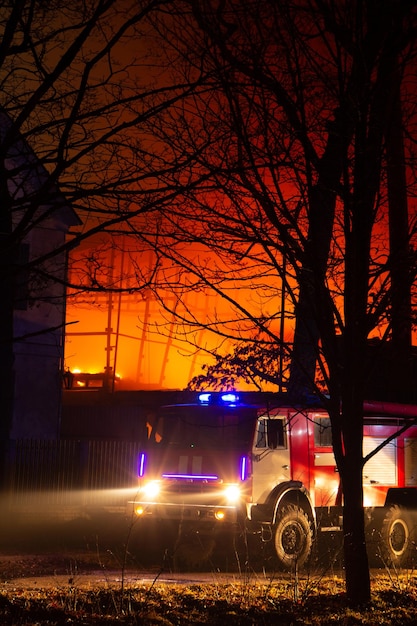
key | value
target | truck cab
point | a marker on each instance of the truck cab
(196, 462)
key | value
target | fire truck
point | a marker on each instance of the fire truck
(269, 466)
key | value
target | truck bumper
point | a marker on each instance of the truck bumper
(203, 513)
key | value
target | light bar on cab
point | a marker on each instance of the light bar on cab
(230, 398)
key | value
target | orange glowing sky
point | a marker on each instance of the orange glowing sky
(144, 344)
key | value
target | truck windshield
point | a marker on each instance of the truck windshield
(203, 427)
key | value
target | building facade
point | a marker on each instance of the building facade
(35, 224)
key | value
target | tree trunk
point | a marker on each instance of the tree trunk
(358, 588)
(401, 326)
(322, 203)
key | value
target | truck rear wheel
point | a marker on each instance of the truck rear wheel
(293, 537)
(398, 536)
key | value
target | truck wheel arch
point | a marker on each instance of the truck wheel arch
(293, 523)
(292, 493)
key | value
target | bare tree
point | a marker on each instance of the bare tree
(80, 92)
(292, 137)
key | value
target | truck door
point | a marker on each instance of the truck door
(270, 456)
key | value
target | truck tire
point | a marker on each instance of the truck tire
(293, 537)
(398, 536)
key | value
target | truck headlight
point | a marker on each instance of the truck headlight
(151, 489)
(232, 494)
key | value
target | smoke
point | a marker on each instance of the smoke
(49, 520)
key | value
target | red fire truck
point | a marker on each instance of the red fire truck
(270, 467)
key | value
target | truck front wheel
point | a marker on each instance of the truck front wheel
(398, 536)
(293, 537)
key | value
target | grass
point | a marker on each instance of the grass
(264, 601)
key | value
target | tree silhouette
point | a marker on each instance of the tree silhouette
(295, 140)
(80, 93)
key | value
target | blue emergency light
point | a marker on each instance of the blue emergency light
(229, 398)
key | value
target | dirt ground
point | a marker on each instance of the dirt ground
(113, 544)
(107, 545)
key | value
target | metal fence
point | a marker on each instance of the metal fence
(71, 473)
